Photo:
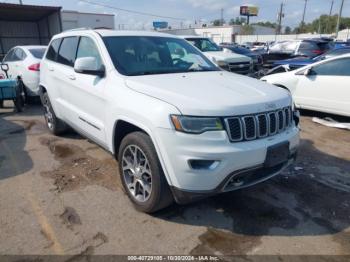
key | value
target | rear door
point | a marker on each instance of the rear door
(11, 60)
(85, 95)
(327, 88)
(63, 76)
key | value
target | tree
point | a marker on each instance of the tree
(218, 22)
(266, 24)
(288, 30)
(325, 24)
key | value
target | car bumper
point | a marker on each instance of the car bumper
(177, 150)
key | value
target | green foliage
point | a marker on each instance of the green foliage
(266, 24)
(324, 24)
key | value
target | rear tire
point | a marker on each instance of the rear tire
(55, 125)
(142, 175)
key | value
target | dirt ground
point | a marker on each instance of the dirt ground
(62, 195)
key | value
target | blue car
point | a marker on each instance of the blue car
(298, 62)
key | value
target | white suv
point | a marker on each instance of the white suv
(180, 128)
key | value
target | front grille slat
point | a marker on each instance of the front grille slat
(257, 126)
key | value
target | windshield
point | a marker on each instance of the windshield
(37, 52)
(147, 55)
(204, 44)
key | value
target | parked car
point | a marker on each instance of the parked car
(295, 48)
(24, 62)
(228, 61)
(295, 63)
(180, 127)
(257, 58)
(323, 86)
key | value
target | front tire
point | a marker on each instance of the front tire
(55, 125)
(142, 175)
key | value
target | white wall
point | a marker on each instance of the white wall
(73, 19)
(267, 38)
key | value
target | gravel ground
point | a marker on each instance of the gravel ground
(62, 195)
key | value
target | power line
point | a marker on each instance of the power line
(132, 11)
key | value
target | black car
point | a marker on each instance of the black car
(257, 58)
(308, 48)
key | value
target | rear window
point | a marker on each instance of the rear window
(68, 50)
(53, 50)
(37, 52)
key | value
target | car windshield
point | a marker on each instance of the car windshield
(204, 44)
(37, 52)
(148, 55)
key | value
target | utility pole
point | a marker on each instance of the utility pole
(280, 16)
(339, 18)
(303, 20)
(222, 17)
(329, 17)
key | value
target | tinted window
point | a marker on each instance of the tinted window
(53, 50)
(308, 46)
(204, 44)
(340, 67)
(37, 52)
(19, 54)
(8, 57)
(68, 50)
(136, 55)
(87, 48)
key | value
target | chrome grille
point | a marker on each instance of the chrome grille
(261, 125)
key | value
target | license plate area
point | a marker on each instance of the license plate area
(277, 154)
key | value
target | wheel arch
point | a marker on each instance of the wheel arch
(123, 127)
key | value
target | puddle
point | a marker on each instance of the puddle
(224, 243)
(29, 126)
(78, 169)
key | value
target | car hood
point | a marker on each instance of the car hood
(227, 57)
(216, 93)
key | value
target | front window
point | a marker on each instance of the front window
(204, 44)
(147, 55)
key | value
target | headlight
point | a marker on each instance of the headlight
(196, 125)
(222, 63)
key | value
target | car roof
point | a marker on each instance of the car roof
(192, 36)
(107, 32)
(30, 46)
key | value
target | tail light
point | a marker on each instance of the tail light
(317, 52)
(34, 67)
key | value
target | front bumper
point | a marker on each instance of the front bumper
(177, 150)
(237, 180)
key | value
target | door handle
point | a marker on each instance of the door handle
(71, 77)
(51, 69)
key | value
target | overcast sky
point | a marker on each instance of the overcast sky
(190, 10)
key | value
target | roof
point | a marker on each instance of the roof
(11, 12)
(106, 32)
(85, 13)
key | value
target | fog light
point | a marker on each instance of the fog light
(203, 164)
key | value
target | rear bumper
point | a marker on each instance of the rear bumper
(237, 180)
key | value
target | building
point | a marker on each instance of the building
(220, 34)
(27, 25)
(74, 19)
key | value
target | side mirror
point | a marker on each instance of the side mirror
(4, 67)
(309, 72)
(89, 66)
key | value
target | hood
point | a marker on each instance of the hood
(227, 57)
(216, 93)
